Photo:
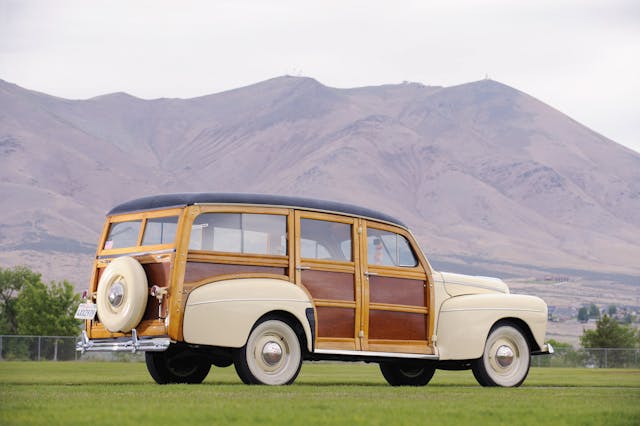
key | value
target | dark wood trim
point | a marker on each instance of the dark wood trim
(390, 325)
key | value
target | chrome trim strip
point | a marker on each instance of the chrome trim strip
(490, 309)
(375, 354)
(140, 253)
(206, 302)
(133, 344)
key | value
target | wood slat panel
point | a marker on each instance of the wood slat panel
(397, 291)
(197, 271)
(391, 325)
(336, 322)
(329, 285)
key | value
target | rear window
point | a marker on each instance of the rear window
(160, 230)
(123, 234)
(157, 231)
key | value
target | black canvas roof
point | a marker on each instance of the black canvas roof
(186, 199)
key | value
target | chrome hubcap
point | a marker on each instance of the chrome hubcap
(271, 353)
(504, 356)
(116, 294)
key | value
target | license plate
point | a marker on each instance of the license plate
(86, 311)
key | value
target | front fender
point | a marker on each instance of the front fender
(465, 321)
(224, 312)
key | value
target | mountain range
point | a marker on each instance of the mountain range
(491, 180)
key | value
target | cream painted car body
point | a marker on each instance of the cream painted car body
(464, 318)
(223, 313)
(474, 304)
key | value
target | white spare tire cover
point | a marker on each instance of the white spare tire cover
(122, 294)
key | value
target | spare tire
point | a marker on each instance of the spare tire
(122, 294)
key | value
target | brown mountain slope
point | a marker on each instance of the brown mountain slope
(490, 179)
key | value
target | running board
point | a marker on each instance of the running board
(375, 354)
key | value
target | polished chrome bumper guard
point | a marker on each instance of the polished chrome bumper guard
(123, 344)
(546, 349)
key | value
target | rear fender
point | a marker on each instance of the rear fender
(224, 312)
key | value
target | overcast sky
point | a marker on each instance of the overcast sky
(580, 56)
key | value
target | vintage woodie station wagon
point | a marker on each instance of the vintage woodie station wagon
(264, 282)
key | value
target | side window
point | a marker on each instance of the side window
(389, 249)
(161, 230)
(240, 233)
(122, 234)
(321, 239)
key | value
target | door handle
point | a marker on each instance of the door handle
(302, 268)
(368, 274)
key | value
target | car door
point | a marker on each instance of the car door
(395, 285)
(327, 256)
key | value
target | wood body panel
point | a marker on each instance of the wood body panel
(399, 291)
(145, 328)
(390, 325)
(198, 271)
(335, 322)
(329, 285)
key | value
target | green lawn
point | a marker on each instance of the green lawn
(325, 393)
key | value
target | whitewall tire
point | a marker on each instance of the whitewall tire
(122, 294)
(272, 355)
(506, 358)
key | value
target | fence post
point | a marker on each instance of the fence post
(38, 348)
(1, 347)
(605, 358)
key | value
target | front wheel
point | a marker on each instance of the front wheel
(177, 365)
(272, 355)
(506, 358)
(398, 374)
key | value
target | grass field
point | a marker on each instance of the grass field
(113, 393)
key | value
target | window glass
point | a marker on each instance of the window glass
(123, 234)
(160, 230)
(320, 239)
(389, 249)
(240, 233)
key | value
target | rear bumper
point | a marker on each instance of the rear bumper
(546, 349)
(123, 344)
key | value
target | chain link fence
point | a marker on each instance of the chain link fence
(38, 348)
(590, 358)
(54, 348)
(63, 348)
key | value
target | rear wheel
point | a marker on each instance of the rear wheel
(272, 355)
(177, 365)
(402, 374)
(506, 358)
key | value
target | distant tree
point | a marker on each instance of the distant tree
(12, 281)
(583, 314)
(610, 334)
(594, 312)
(48, 311)
(612, 310)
